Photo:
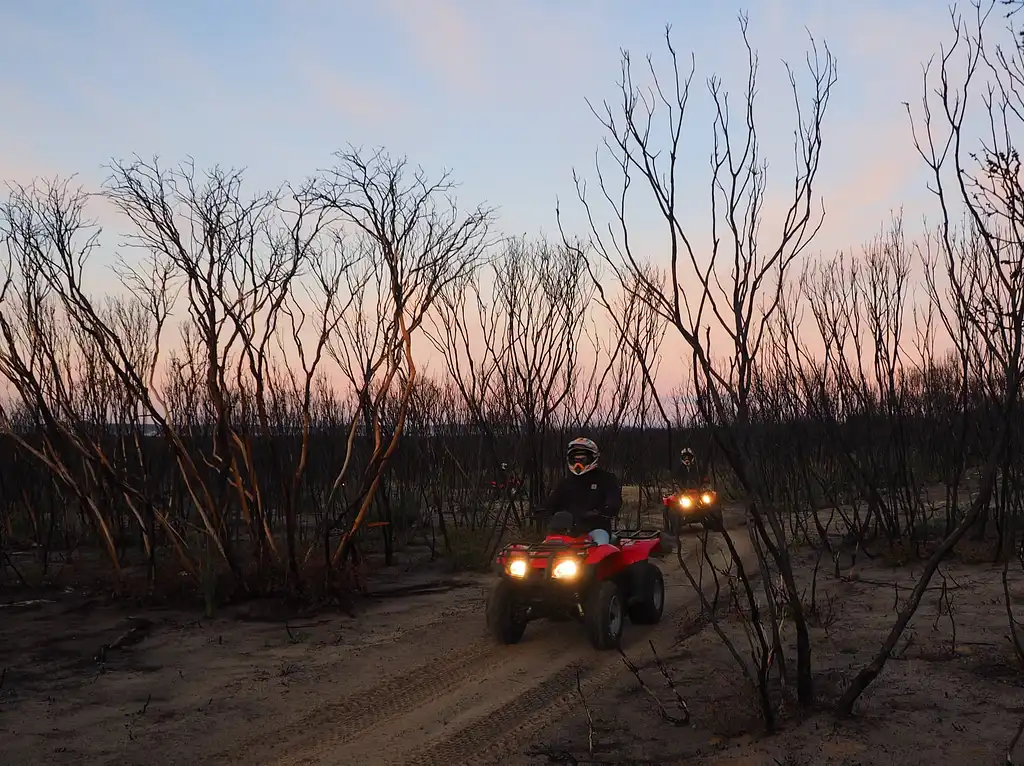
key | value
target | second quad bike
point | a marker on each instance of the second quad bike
(692, 506)
(569, 576)
(506, 484)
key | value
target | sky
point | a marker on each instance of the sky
(494, 91)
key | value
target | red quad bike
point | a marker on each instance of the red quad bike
(692, 506)
(510, 485)
(569, 576)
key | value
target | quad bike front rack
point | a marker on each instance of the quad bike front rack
(547, 551)
(544, 548)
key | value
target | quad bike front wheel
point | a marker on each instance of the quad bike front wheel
(671, 523)
(505, 622)
(650, 590)
(604, 615)
(714, 521)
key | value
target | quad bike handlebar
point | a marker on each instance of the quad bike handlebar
(566, 522)
(604, 513)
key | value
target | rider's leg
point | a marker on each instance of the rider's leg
(600, 536)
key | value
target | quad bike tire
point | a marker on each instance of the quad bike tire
(605, 615)
(504, 623)
(671, 523)
(650, 589)
(714, 521)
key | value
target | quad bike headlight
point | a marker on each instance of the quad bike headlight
(686, 501)
(707, 498)
(517, 568)
(565, 570)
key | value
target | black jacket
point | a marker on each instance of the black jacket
(689, 476)
(593, 499)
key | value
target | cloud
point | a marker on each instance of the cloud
(873, 174)
(904, 35)
(368, 104)
(445, 38)
(500, 51)
(869, 166)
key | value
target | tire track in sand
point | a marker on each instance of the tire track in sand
(497, 732)
(351, 715)
(400, 703)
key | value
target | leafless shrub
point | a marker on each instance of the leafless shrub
(675, 720)
(249, 274)
(742, 312)
(984, 316)
(1013, 743)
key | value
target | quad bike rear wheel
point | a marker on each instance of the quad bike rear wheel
(504, 620)
(650, 590)
(604, 615)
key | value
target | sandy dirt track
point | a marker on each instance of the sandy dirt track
(452, 696)
(415, 679)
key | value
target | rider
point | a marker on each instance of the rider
(687, 473)
(590, 493)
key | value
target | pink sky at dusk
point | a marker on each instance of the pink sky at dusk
(494, 91)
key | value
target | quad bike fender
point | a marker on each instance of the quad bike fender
(605, 561)
(600, 555)
(610, 561)
(610, 567)
(639, 550)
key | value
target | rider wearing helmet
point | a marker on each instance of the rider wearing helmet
(590, 493)
(687, 473)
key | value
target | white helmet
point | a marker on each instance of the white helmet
(686, 456)
(582, 456)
